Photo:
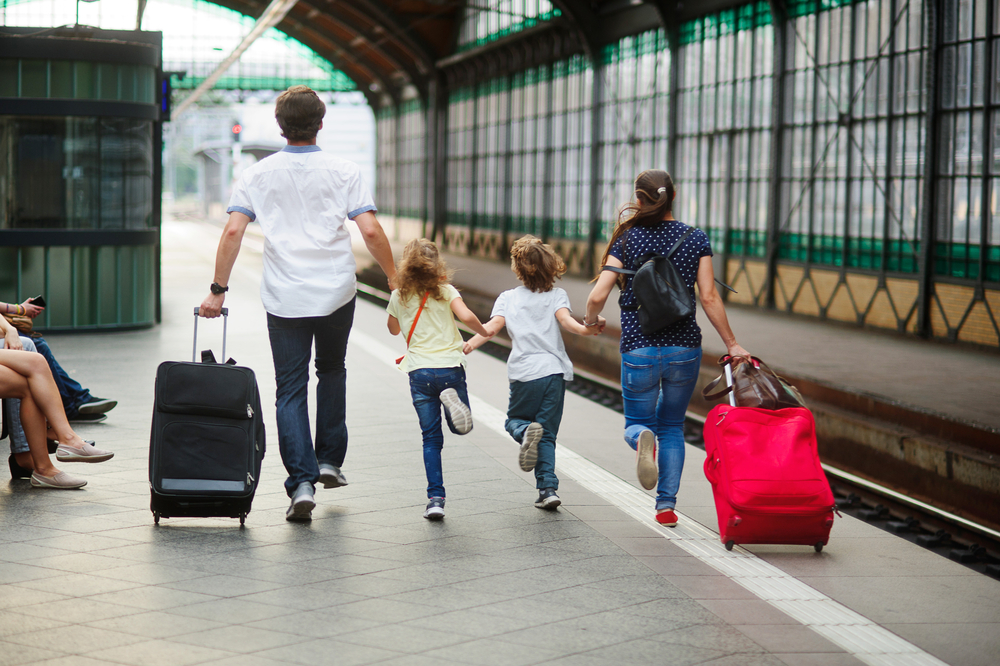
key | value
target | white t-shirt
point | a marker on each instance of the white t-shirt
(436, 342)
(302, 198)
(530, 318)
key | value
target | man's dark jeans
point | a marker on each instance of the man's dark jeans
(73, 395)
(291, 347)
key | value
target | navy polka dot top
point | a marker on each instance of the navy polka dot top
(660, 238)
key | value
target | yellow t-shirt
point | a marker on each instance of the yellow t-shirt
(436, 342)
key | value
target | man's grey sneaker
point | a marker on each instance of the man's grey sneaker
(547, 499)
(645, 460)
(331, 476)
(529, 446)
(302, 504)
(461, 415)
(435, 509)
(97, 406)
(88, 418)
(87, 454)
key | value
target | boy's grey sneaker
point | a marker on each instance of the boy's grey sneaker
(645, 460)
(331, 476)
(529, 446)
(435, 509)
(547, 499)
(302, 504)
(461, 415)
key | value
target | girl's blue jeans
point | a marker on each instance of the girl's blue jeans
(657, 383)
(426, 385)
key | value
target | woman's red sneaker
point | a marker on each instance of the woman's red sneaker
(666, 517)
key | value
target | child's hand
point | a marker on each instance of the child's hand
(601, 323)
(467, 348)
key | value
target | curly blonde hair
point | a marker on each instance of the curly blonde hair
(535, 264)
(421, 270)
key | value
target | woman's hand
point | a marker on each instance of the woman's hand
(12, 340)
(736, 351)
(30, 309)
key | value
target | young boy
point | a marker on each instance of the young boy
(538, 367)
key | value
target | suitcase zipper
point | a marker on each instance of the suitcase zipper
(249, 412)
(249, 479)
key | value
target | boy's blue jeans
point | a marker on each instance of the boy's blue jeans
(426, 385)
(657, 383)
(540, 400)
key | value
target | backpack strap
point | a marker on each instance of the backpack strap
(625, 271)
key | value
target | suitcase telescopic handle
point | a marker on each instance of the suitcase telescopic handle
(729, 382)
(225, 323)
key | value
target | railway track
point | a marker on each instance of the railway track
(965, 541)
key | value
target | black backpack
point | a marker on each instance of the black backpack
(662, 296)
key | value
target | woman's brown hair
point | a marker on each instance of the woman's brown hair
(535, 264)
(654, 199)
(421, 270)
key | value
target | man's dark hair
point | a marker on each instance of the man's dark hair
(299, 112)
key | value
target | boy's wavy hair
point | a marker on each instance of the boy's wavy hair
(421, 270)
(535, 264)
(654, 198)
(299, 112)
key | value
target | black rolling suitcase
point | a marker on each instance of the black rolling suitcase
(207, 440)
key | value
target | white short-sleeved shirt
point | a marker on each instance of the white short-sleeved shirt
(302, 198)
(436, 342)
(530, 318)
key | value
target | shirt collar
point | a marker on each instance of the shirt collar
(301, 149)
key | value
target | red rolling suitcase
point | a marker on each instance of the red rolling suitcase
(766, 476)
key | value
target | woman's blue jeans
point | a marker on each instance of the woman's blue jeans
(291, 347)
(657, 383)
(426, 385)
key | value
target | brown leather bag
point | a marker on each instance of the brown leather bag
(755, 385)
(21, 322)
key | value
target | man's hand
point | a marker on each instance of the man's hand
(31, 310)
(211, 307)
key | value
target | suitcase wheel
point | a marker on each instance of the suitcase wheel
(156, 518)
(819, 547)
(243, 518)
(730, 544)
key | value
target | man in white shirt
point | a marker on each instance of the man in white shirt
(302, 198)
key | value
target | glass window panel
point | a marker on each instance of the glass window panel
(61, 79)
(86, 80)
(34, 78)
(108, 76)
(9, 70)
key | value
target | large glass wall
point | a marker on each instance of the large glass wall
(635, 114)
(855, 102)
(801, 146)
(411, 187)
(968, 233)
(490, 20)
(722, 167)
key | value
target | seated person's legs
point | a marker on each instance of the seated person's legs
(26, 377)
(79, 404)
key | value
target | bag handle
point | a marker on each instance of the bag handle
(413, 326)
(727, 362)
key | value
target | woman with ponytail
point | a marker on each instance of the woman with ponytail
(659, 371)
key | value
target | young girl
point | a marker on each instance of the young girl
(538, 367)
(434, 358)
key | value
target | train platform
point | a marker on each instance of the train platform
(86, 578)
